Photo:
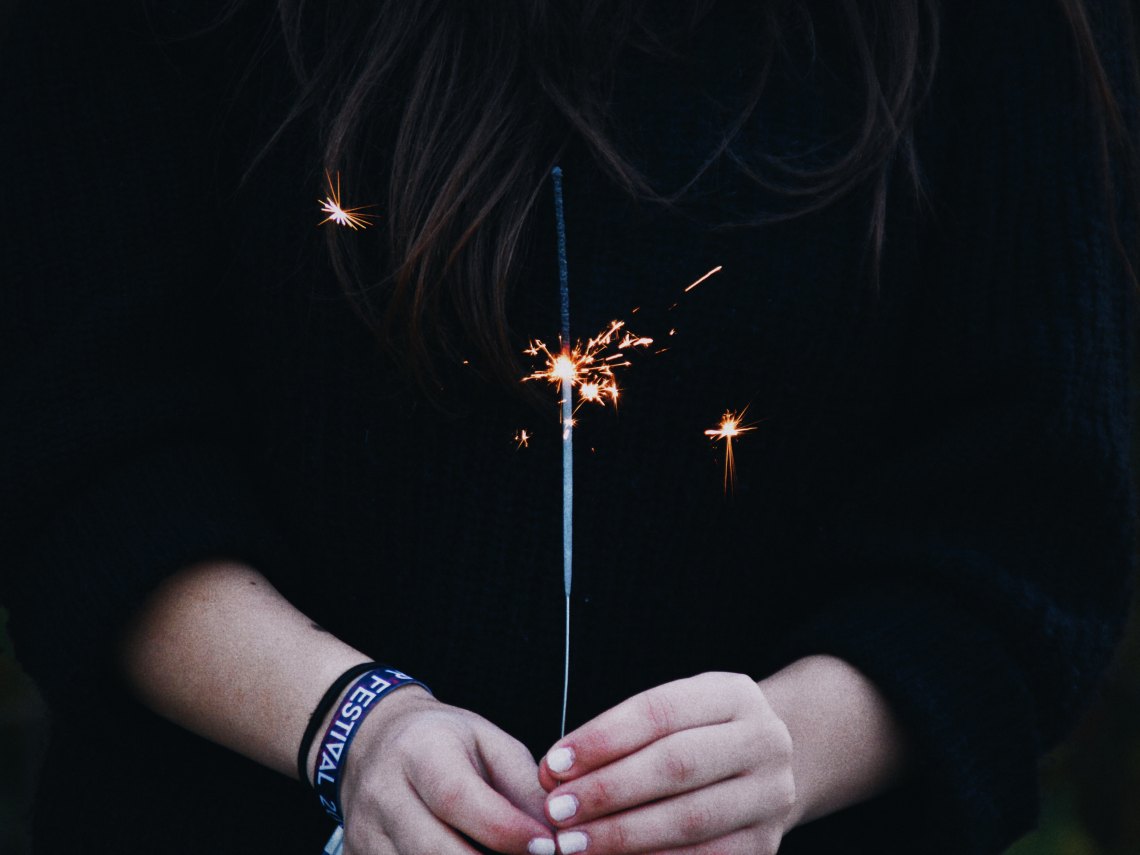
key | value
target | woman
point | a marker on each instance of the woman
(224, 494)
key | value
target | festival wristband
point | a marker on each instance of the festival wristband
(329, 698)
(362, 697)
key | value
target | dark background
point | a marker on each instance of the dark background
(1091, 785)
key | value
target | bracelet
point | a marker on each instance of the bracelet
(327, 700)
(360, 700)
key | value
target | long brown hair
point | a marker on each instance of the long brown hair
(489, 93)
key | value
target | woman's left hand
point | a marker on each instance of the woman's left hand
(699, 765)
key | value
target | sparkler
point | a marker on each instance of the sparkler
(730, 427)
(590, 368)
(337, 213)
(564, 368)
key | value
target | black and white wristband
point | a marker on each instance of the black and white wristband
(330, 697)
(360, 699)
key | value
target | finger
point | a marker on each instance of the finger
(680, 762)
(461, 798)
(406, 828)
(697, 817)
(511, 771)
(706, 699)
(764, 840)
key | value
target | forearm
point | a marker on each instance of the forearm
(217, 650)
(847, 746)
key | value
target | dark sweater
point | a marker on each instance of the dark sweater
(936, 490)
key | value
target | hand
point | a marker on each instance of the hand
(420, 774)
(699, 765)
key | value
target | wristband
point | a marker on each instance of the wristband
(359, 701)
(327, 700)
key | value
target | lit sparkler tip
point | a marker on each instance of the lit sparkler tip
(563, 368)
(337, 213)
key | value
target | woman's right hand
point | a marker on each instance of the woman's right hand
(421, 774)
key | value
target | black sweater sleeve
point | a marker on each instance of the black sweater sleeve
(991, 533)
(121, 426)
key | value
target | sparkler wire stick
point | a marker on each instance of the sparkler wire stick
(567, 433)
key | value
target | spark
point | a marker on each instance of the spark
(731, 426)
(589, 368)
(712, 272)
(337, 213)
(522, 438)
(590, 391)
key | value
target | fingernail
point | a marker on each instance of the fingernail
(541, 846)
(560, 759)
(572, 841)
(562, 807)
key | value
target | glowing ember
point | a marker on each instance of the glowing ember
(350, 217)
(731, 426)
(716, 269)
(563, 368)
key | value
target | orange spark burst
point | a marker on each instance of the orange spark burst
(350, 217)
(731, 426)
(588, 367)
(522, 438)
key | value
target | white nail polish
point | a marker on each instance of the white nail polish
(560, 759)
(562, 807)
(572, 841)
(541, 846)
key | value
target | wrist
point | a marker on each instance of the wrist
(370, 697)
(846, 744)
(400, 706)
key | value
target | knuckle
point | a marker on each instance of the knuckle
(781, 739)
(442, 791)
(694, 823)
(621, 839)
(612, 835)
(678, 767)
(598, 795)
(744, 686)
(660, 713)
(746, 693)
(786, 791)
